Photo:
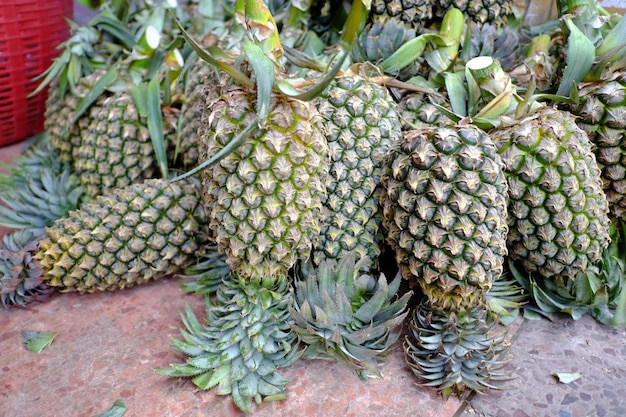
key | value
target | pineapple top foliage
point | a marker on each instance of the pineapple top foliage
(348, 316)
(245, 340)
(453, 351)
(20, 275)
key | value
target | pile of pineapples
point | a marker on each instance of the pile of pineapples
(286, 158)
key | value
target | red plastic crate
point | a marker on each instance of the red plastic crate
(30, 31)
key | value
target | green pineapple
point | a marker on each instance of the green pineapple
(115, 148)
(133, 235)
(496, 12)
(445, 212)
(557, 211)
(265, 197)
(245, 341)
(361, 126)
(414, 14)
(61, 107)
(346, 315)
(21, 279)
(106, 123)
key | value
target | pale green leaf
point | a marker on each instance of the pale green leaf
(37, 341)
(155, 124)
(579, 59)
(264, 70)
(118, 409)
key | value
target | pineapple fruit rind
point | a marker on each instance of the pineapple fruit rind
(133, 235)
(265, 197)
(601, 84)
(558, 214)
(445, 212)
(346, 315)
(115, 148)
(602, 114)
(360, 125)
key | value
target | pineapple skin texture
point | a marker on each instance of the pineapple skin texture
(361, 126)
(602, 112)
(495, 12)
(445, 210)
(265, 198)
(414, 14)
(115, 147)
(558, 213)
(131, 236)
(60, 110)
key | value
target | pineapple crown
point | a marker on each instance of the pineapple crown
(21, 278)
(347, 316)
(454, 352)
(205, 276)
(37, 190)
(246, 339)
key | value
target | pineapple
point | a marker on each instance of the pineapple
(21, 280)
(444, 205)
(414, 14)
(133, 235)
(265, 198)
(347, 316)
(244, 342)
(557, 211)
(105, 122)
(61, 107)
(496, 12)
(361, 126)
(445, 212)
(601, 114)
(114, 145)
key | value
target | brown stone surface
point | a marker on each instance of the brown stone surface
(108, 345)
(543, 348)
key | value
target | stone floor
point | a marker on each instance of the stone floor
(109, 344)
